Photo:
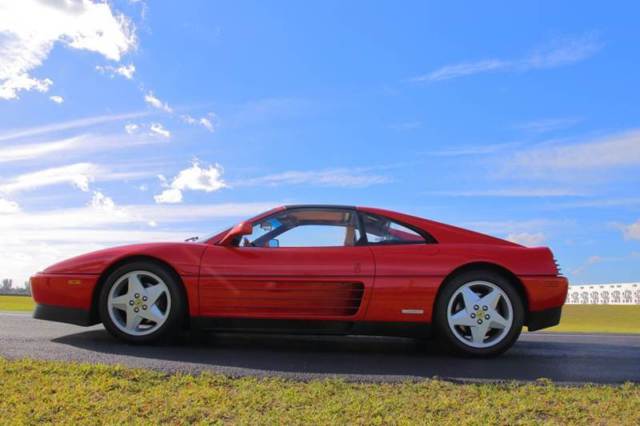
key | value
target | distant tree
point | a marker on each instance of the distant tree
(6, 284)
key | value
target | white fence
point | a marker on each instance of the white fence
(604, 294)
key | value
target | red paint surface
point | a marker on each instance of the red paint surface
(372, 283)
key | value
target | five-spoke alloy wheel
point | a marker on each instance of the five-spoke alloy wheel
(479, 313)
(141, 302)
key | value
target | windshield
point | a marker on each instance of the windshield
(206, 237)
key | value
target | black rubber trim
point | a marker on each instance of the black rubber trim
(285, 326)
(543, 319)
(319, 206)
(63, 314)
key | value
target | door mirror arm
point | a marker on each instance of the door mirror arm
(243, 228)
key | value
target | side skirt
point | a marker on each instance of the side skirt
(280, 326)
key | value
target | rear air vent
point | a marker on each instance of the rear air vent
(558, 268)
(253, 297)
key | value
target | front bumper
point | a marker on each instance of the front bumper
(63, 297)
(63, 314)
(68, 290)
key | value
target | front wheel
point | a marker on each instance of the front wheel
(141, 302)
(479, 313)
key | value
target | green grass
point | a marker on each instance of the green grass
(16, 303)
(599, 319)
(61, 393)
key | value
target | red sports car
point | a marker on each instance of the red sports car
(315, 269)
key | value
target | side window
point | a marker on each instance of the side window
(381, 230)
(306, 228)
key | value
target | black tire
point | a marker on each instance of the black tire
(177, 310)
(446, 335)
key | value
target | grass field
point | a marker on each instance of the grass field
(54, 392)
(575, 318)
(599, 319)
(16, 303)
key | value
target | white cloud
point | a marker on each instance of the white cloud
(344, 178)
(33, 240)
(27, 151)
(98, 215)
(207, 122)
(77, 146)
(459, 70)
(526, 238)
(515, 227)
(153, 129)
(158, 129)
(591, 260)
(473, 150)
(7, 206)
(562, 52)
(68, 125)
(512, 192)
(29, 29)
(104, 204)
(79, 175)
(100, 201)
(613, 151)
(596, 203)
(131, 128)
(157, 103)
(559, 53)
(11, 85)
(548, 124)
(126, 71)
(169, 196)
(632, 231)
(56, 99)
(183, 213)
(194, 178)
(188, 119)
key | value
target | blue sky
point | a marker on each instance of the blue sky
(138, 121)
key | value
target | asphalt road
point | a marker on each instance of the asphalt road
(568, 358)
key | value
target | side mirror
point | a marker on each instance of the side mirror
(243, 228)
(274, 243)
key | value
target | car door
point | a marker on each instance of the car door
(299, 263)
(406, 284)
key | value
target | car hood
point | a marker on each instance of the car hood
(180, 255)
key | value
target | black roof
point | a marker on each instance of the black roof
(319, 206)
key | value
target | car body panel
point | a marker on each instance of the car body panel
(302, 283)
(73, 282)
(358, 284)
(70, 290)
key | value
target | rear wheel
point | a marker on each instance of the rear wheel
(479, 313)
(141, 302)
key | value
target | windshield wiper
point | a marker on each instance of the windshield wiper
(192, 239)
